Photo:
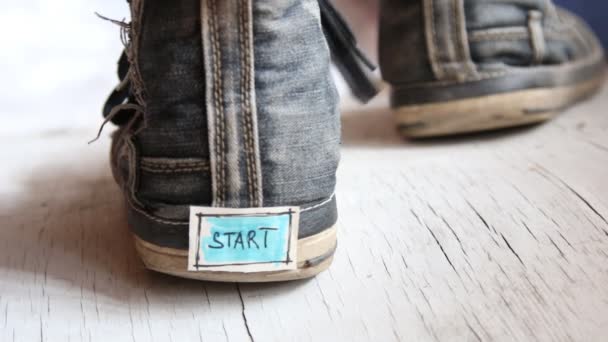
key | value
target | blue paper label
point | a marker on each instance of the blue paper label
(243, 240)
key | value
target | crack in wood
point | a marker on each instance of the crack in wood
(477, 337)
(529, 230)
(441, 248)
(511, 249)
(485, 223)
(598, 146)
(69, 271)
(455, 236)
(561, 253)
(245, 321)
(546, 172)
(325, 303)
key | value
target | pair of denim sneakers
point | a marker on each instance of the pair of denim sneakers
(229, 130)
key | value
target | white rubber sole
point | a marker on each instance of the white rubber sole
(490, 112)
(315, 254)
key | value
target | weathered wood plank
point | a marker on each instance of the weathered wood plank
(491, 237)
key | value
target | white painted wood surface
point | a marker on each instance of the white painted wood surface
(492, 237)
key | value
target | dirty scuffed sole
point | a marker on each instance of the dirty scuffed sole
(491, 112)
(315, 254)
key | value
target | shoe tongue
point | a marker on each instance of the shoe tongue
(349, 59)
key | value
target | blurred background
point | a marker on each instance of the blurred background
(58, 59)
(57, 63)
(362, 15)
(594, 11)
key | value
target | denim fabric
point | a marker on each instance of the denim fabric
(403, 53)
(567, 38)
(497, 32)
(296, 102)
(465, 48)
(245, 90)
(171, 66)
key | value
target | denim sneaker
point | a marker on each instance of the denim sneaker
(229, 133)
(459, 66)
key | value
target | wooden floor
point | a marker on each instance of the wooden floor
(491, 237)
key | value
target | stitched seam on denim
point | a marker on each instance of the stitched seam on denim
(217, 95)
(132, 181)
(175, 170)
(450, 62)
(479, 36)
(485, 36)
(152, 217)
(595, 56)
(119, 154)
(175, 166)
(482, 75)
(516, 33)
(457, 55)
(463, 39)
(242, 96)
(164, 165)
(455, 48)
(220, 104)
(431, 37)
(455, 62)
(246, 110)
(249, 105)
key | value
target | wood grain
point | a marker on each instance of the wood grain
(494, 237)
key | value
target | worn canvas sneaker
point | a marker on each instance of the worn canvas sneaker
(228, 137)
(461, 66)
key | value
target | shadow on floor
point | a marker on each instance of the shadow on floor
(375, 128)
(67, 230)
(67, 227)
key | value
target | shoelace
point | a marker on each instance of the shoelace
(348, 58)
(122, 109)
(121, 94)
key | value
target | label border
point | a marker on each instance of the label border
(290, 211)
